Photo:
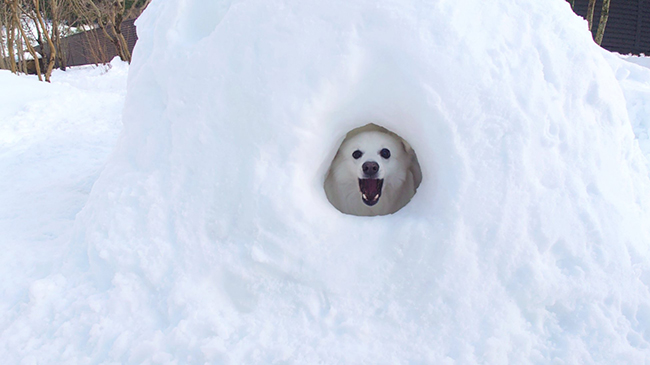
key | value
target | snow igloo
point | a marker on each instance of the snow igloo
(209, 236)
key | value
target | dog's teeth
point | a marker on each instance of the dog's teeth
(364, 196)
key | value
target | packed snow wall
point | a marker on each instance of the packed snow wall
(209, 238)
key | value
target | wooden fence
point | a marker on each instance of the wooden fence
(93, 47)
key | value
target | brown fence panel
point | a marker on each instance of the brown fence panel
(93, 47)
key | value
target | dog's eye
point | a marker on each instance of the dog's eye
(385, 153)
(357, 154)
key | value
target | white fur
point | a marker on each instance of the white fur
(400, 172)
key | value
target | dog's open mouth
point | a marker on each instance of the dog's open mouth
(370, 190)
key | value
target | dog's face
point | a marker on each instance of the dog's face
(376, 160)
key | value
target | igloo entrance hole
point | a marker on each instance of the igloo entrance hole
(374, 172)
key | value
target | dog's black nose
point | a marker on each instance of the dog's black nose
(370, 168)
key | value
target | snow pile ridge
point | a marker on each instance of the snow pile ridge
(208, 237)
(635, 81)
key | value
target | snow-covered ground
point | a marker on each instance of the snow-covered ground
(208, 237)
(54, 140)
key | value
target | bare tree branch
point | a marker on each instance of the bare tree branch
(18, 24)
(590, 13)
(604, 14)
(52, 50)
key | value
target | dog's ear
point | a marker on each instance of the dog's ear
(407, 147)
(414, 167)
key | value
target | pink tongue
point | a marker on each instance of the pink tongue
(370, 187)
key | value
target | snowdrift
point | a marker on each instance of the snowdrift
(634, 78)
(208, 237)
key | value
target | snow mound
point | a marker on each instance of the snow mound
(208, 236)
(634, 77)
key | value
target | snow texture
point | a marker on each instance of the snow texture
(208, 236)
(50, 155)
(635, 82)
(54, 140)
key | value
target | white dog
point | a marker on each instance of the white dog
(374, 172)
